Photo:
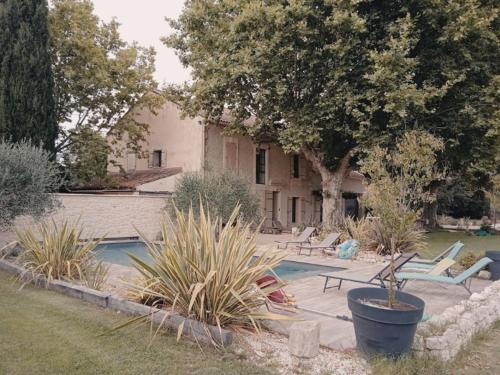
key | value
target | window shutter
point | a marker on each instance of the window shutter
(302, 203)
(302, 168)
(150, 160)
(164, 158)
(289, 212)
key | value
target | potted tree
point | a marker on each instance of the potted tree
(385, 320)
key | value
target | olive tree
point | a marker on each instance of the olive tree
(219, 193)
(396, 191)
(28, 178)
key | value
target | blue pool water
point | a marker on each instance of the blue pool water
(287, 270)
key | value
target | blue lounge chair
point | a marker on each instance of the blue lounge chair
(464, 279)
(426, 264)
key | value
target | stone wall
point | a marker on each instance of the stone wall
(444, 335)
(111, 215)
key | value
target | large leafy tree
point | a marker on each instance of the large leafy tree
(26, 85)
(329, 78)
(99, 78)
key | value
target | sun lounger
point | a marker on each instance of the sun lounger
(327, 243)
(379, 279)
(303, 238)
(442, 266)
(450, 253)
(464, 279)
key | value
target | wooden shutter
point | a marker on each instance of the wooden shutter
(302, 204)
(150, 159)
(289, 212)
(303, 168)
(164, 158)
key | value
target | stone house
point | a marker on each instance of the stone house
(288, 187)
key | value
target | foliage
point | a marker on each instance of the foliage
(374, 236)
(398, 188)
(57, 252)
(220, 193)
(208, 276)
(87, 158)
(470, 258)
(494, 195)
(27, 109)
(100, 80)
(459, 199)
(331, 79)
(28, 178)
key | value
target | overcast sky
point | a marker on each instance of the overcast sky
(144, 22)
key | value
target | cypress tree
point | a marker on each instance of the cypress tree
(26, 87)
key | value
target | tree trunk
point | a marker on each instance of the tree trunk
(430, 215)
(331, 184)
(430, 211)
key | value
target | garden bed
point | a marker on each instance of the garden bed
(192, 329)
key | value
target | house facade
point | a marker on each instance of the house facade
(288, 188)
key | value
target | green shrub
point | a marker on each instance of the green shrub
(469, 259)
(220, 193)
(56, 252)
(27, 179)
(212, 281)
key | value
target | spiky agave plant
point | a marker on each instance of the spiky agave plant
(207, 273)
(56, 251)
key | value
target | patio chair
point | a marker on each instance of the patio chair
(379, 279)
(450, 253)
(327, 243)
(464, 279)
(303, 238)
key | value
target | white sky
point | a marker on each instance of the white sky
(144, 22)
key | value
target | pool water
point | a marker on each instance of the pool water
(287, 270)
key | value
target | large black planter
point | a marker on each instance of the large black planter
(494, 267)
(383, 331)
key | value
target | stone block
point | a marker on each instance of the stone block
(79, 291)
(303, 339)
(11, 267)
(128, 307)
(418, 343)
(435, 343)
(483, 274)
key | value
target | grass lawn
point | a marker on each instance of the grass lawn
(440, 240)
(480, 357)
(42, 332)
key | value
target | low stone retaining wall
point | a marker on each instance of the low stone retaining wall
(192, 329)
(444, 335)
(110, 215)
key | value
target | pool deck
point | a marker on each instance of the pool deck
(315, 305)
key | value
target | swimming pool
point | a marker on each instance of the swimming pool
(116, 253)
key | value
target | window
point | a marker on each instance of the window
(157, 159)
(295, 201)
(260, 166)
(295, 166)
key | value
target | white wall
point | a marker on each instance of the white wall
(111, 215)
